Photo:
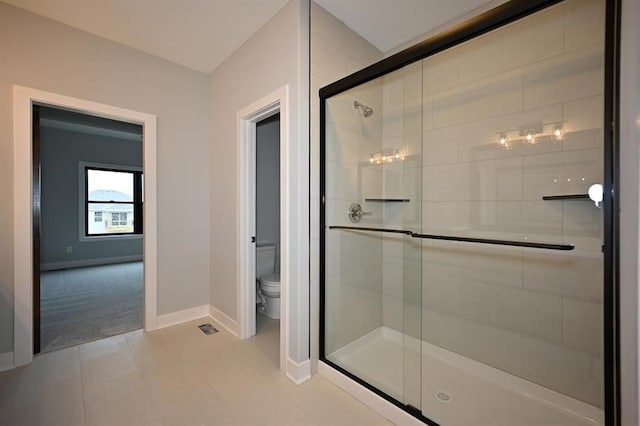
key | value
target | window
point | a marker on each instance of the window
(114, 200)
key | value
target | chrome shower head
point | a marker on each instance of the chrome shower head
(366, 111)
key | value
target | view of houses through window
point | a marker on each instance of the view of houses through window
(113, 201)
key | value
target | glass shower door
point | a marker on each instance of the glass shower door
(373, 200)
(464, 266)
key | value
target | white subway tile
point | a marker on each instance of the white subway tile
(575, 274)
(496, 179)
(440, 216)
(440, 146)
(480, 263)
(496, 347)
(440, 72)
(583, 123)
(526, 41)
(494, 96)
(508, 175)
(582, 325)
(581, 218)
(341, 181)
(564, 370)
(427, 114)
(519, 218)
(427, 183)
(526, 312)
(342, 144)
(574, 75)
(451, 182)
(561, 173)
(584, 23)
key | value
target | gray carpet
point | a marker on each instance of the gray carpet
(85, 304)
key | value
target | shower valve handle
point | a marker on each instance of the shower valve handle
(355, 213)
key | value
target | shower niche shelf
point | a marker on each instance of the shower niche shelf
(566, 197)
(387, 200)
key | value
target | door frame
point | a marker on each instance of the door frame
(247, 119)
(24, 99)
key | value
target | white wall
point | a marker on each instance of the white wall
(275, 56)
(268, 181)
(60, 152)
(43, 54)
(629, 208)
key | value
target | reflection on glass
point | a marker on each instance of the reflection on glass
(473, 137)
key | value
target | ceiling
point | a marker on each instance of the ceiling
(79, 122)
(201, 34)
(387, 24)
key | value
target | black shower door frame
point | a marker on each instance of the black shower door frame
(481, 24)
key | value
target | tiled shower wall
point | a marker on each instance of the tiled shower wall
(535, 313)
(355, 260)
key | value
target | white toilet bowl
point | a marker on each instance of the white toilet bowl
(270, 288)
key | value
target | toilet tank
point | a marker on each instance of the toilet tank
(265, 259)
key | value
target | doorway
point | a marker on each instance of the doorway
(276, 103)
(88, 228)
(267, 234)
(24, 179)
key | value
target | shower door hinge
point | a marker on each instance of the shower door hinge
(253, 239)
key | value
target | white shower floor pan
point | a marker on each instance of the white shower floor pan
(478, 394)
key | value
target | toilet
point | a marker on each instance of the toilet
(268, 280)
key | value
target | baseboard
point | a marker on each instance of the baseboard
(223, 320)
(178, 317)
(6, 361)
(298, 372)
(378, 404)
(52, 266)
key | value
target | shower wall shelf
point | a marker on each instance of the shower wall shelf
(566, 197)
(387, 200)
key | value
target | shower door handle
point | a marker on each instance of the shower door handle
(547, 246)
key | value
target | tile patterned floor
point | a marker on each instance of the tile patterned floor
(174, 376)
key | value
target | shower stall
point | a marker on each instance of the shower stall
(465, 256)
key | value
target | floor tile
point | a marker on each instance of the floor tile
(173, 376)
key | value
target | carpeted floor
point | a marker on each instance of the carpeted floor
(85, 304)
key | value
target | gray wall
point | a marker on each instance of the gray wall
(268, 180)
(43, 54)
(276, 55)
(61, 151)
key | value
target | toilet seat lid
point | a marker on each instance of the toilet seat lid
(273, 279)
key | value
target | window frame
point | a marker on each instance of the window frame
(138, 206)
